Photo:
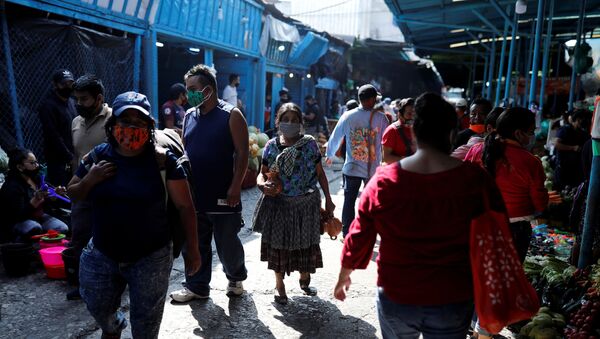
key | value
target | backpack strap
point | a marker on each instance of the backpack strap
(407, 150)
(95, 158)
(161, 159)
(369, 145)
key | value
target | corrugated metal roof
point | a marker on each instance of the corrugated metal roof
(435, 25)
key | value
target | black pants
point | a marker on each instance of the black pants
(521, 234)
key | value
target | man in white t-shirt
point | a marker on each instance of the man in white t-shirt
(230, 91)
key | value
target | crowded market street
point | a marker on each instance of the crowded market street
(35, 306)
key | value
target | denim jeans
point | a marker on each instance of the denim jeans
(32, 227)
(521, 234)
(450, 321)
(225, 228)
(103, 281)
(351, 188)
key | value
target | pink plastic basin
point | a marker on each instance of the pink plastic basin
(52, 256)
(45, 244)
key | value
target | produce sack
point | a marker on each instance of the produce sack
(503, 295)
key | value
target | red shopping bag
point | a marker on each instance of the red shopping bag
(503, 295)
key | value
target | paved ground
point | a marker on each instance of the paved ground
(35, 307)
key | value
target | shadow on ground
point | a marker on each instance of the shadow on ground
(316, 318)
(242, 320)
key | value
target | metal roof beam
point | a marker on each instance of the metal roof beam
(439, 49)
(437, 10)
(478, 39)
(413, 21)
(485, 21)
(502, 13)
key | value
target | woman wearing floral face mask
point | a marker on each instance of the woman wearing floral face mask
(288, 216)
(131, 243)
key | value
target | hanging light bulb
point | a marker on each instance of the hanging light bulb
(521, 7)
(220, 12)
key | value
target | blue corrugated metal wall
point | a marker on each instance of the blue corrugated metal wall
(237, 29)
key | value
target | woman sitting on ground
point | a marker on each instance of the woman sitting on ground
(22, 201)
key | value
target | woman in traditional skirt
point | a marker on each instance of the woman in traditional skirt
(287, 214)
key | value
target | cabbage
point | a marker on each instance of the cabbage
(262, 139)
(252, 137)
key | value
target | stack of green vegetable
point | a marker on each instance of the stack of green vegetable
(545, 325)
(551, 269)
(256, 143)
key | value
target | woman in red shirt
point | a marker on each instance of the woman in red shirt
(398, 140)
(424, 273)
(518, 173)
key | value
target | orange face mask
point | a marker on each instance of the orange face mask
(479, 129)
(131, 138)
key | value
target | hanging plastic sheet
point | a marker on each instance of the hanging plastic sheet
(277, 30)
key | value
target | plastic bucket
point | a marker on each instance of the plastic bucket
(53, 262)
(48, 244)
(55, 271)
(71, 260)
(16, 258)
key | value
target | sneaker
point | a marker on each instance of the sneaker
(184, 295)
(235, 289)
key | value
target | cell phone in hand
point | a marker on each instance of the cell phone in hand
(222, 202)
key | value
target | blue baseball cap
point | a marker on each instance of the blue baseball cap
(131, 100)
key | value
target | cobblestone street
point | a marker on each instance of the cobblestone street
(36, 307)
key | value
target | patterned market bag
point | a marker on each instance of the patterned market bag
(503, 295)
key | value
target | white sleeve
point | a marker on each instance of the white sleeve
(229, 95)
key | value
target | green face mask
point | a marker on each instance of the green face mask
(195, 98)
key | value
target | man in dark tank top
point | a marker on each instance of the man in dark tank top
(215, 135)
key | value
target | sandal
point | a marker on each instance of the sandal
(304, 286)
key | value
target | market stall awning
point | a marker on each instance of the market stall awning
(308, 50)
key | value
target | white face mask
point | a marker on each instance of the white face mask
(290, 129)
